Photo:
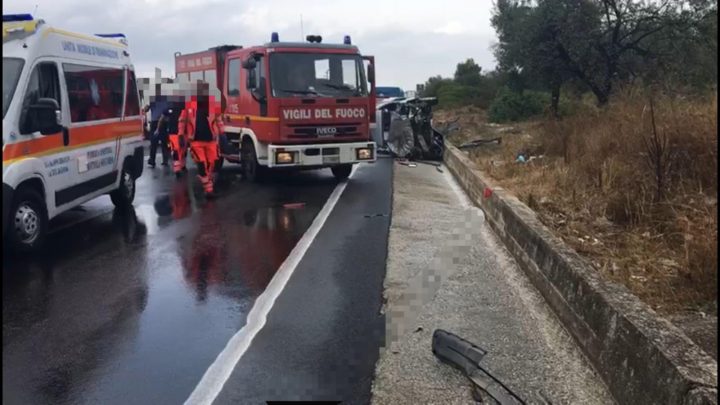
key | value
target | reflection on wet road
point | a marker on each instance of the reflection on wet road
(131, 306)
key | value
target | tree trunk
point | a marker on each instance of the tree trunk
(602, 97)
(603, 92)
(555, 99)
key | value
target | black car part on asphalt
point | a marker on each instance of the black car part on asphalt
(465, 356)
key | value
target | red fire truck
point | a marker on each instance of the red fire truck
(304, 105)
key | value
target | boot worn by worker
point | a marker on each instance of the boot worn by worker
(179, 148)
(207, 184)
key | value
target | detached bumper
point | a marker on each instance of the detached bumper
(317, 155)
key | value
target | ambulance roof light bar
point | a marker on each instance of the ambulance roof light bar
(17, 17)
(116, 35)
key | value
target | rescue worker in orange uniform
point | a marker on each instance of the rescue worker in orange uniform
(201, 122)
(169, 121)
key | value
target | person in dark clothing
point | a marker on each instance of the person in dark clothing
(169, 123)
(158, 137)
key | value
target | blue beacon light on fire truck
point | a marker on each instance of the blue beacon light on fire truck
(17, 17)
(346, 40)
(274, 37)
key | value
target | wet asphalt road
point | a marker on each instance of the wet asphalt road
(132, 306)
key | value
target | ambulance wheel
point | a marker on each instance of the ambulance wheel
(125, 194)
(251, 169)
(341, 172)
(29, 221)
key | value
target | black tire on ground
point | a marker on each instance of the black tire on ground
(125, 194)
(28, 221)
(251, 169)
(341, 172)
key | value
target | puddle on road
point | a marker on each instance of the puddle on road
(117, 290)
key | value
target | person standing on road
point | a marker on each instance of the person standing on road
(201, 122)
(158, 104)
(146, 132)
(168, 123)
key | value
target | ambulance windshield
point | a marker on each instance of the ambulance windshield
(11, 68)
(317, 74)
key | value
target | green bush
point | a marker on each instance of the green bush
(511, 106)
(457, 95)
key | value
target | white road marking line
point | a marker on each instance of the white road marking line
(220, 370)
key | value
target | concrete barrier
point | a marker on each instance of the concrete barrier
(642, 357)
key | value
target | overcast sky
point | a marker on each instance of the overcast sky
(411, 40)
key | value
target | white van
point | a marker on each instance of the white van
(72, 129)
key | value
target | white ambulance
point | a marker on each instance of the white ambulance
(72, 128)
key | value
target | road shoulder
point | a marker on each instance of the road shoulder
(446, 269)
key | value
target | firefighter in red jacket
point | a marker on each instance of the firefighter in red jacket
(201, 123)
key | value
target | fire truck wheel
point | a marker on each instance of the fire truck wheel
(251, 169)
(341, 172)
(125, 194)
(29, 222)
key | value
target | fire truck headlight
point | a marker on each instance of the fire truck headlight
(285, 220)
(284, 157)
(364, 153)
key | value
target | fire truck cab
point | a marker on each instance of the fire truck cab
(290, 104)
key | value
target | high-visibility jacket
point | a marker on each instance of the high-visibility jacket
(186, 124)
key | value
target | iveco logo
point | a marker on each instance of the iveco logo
(326, 131)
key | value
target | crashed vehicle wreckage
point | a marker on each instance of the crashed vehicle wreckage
(405, 129)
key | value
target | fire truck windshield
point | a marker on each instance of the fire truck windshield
(317, 74)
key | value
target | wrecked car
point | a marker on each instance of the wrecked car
(404, 128)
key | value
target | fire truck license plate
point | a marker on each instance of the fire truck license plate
(331, 159)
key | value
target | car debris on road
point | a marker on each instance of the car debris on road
(480, 142)
(465, 356)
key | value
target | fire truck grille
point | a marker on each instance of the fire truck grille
(324, 131)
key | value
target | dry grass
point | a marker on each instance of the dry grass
(633, 188)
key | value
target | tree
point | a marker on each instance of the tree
(526, 50)
(434, 84)
(599, 42)
(468, 73)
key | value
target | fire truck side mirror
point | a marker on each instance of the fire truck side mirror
(258, 93)
(249, 63)
(371, 73)
(251, 79)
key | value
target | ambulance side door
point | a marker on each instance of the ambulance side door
(95, 99)
(51, 149)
